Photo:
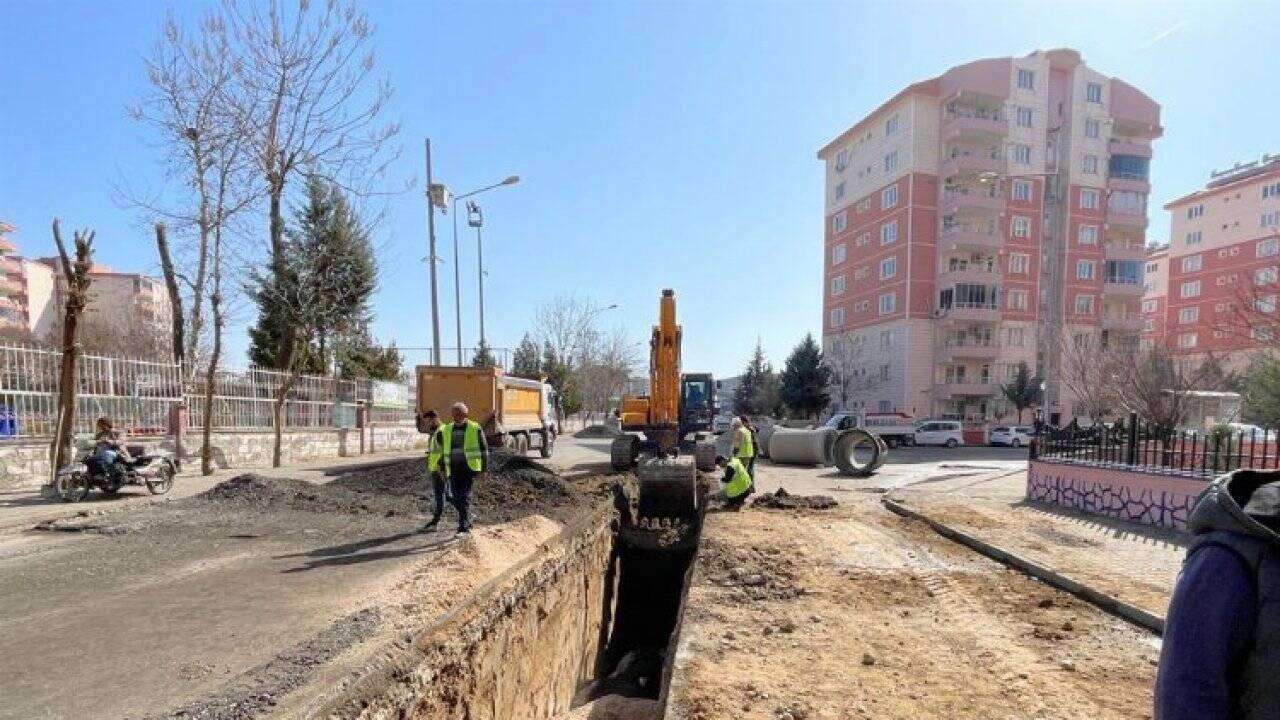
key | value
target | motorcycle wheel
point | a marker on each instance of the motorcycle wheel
(110, 486)
(163, 481)
(72, 487)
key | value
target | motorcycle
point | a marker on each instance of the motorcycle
(155, 470)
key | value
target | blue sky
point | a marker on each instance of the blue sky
(660, 144)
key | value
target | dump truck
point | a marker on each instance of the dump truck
(516, 413)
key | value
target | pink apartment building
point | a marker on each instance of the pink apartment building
(1224, 249)
(976, 219)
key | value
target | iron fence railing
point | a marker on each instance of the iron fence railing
(1150, 447)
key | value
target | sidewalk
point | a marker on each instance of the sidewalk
(1134, 563)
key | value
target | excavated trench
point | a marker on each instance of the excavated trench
(590, 615)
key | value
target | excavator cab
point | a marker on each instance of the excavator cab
(697, 403)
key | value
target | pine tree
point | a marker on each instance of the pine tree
(805, 379)
(1024, 391)
(746, 398)
(561, 380)
(526, 362)
(484, 356)
(362, 357)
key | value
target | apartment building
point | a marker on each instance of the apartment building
(977, 220)
(1224, 251)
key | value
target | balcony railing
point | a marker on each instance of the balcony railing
(971, 236)
(957, 199)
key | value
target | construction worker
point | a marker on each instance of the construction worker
(434, 472)
(744, 444)
(465, 456)
(736, 481)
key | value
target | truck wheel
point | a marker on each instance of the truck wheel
(548, 444)
(522, 444)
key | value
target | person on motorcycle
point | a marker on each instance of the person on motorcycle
(109, 445)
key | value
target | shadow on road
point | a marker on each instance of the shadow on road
(355, 552)
(1117, 528)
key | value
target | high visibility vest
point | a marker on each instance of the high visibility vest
(470, 443)
(740, 482)
(434, 452)
(746, 447)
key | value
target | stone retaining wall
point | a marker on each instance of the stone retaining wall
(1125, 494)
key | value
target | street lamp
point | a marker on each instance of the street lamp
(457, 273)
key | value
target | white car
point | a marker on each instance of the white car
(940, 432)
(1011, 435)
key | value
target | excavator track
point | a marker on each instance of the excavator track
(622, 452)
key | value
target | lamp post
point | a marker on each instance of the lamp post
(475, 218)
(457, 273)
(437, 196)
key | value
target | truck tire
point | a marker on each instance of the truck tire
(548, 444)
(522, 444)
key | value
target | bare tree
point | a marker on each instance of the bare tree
(125, 336)
(1253, 315)
(302, 92)
(851, 376)
(171, 286)
(604, 370)
(1156, 383)
(78, 279)
(1089, 373)
(566, 323)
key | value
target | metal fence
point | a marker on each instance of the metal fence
(138, 395)
(1140, 445)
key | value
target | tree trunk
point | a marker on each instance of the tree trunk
(77, 279)
(175, 297)
(215, 303)
(284, 356)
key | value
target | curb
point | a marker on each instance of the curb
(1112, 605)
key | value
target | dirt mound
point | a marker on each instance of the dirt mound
(259, 493)
(759, 573)
(616, 707)
(783, 500)
(597, 431)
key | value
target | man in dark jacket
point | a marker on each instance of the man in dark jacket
(1221, 654)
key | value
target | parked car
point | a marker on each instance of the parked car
(894, 428)
(940, 432)
(1012, 435)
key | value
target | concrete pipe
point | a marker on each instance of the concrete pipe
(762, 439)
(859, 453)
(802, 447)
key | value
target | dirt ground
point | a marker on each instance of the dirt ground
(1135, 563)
(216, 605)
(853, 612)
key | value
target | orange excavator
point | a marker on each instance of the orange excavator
(661, 429)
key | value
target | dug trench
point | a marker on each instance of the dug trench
(580, 629)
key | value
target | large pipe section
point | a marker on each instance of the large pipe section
(855, 452)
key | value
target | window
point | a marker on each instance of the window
(1021, 227)
(889, 197)
(1093, 92)
(1188, 315)
(1148, 306)
(1190, 289)
(842, 160)
(1152, 267)
(1024, 117)
(1192, 263)
(886, 338)
(1089, 199)
(838, 254)
(1017, 299)
(1187, 340)
(891, 125)
(1193, 238)
(889, 232)
(1026, 79)
(862, 306)
(886, 303)
(840, 190)
(1084, 269)
(1014, 337)
(1084, 305)
(883, 406)
(862, 240)
(1092, 128)
(837, 285)
(888, 268)
(1265, 304)
(1022, 154)
(1087, 234)
(1021, 190)
(1149, 325)
(840, 221)
(860, 273)
(1261, 334)
(837, 317)
(1265, 276)
(1019, 263)
(1195, 211)
(1270, 191)
(1089, 164)
(891, 161)
(1271, 218)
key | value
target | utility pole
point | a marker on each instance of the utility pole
(457, 284)
(475, 218)
(431, 261)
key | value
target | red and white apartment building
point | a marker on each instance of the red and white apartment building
(977, 218)
(1224, 249)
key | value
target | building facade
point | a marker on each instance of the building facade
(978, 219)
(1223, 256)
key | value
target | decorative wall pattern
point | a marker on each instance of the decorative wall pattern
(1123, 494)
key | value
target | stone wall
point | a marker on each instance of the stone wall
(1126, 494)
(24, 464)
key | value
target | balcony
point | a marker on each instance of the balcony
(1127, 217)
(10, 265)
(9, 285)
(968, 348)
(1122, 286)
(7, 245)
(975, 275)
(971, 312)
(972, 162)
(961, 123)
(1128, 322)
(969, 389)
(959, 237)
(1129, 146)
(957, 200)
(1120, 250)
(1130, 182)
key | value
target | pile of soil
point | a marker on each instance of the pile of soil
(616, 707)
(597, 431)
(783, 500)
(759, 573)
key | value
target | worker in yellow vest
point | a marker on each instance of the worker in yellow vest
(744, 444)
(435, 474)
(736, 483)
(464, 456)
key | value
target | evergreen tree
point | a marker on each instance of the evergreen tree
(561, 380)
(768, 395)
(484, 356)
(1261, 390)
(526, 362)
(746, 396)
(1024, 391)
(361, 357)
(805, 379)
